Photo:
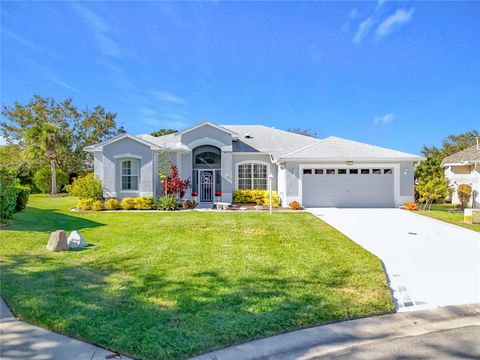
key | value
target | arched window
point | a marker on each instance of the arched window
(252, 176)
(207, 156)
(129, 174)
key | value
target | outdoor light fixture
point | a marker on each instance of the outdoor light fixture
(349, 162)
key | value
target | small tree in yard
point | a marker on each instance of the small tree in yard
(464, 192)
(174, 185)
(432, 190)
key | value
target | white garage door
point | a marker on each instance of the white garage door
(362, 187)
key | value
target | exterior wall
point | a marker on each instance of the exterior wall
(465, 174)
(97, 164)
(113, 154)
(403, 179)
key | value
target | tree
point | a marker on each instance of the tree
(306, 132)
(162, 132)
(42, 129)
(432, 190)
(451, 145)
(464, 192)
(52, 133)
(90, 128)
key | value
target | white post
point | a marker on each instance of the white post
(270, 177)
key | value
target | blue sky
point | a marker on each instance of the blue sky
(391, 73)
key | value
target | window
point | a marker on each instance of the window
(129, 173)
(319, 171)
(388, 171)
(307, 171)
(342, 171)
(376, 171)
(252, 176)
(207, 157)
(353, 171)
(365, 171)
(330, 171)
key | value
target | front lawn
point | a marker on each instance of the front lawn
(172, 285)
(448, 213)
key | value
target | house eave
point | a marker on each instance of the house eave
(358, 160)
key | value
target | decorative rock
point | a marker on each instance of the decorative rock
(76, 240)
(58, 241)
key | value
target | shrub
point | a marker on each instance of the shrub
(85, 204)
(128, 203)
(167, 202)
(23, 192)
(43, 180)
(97, 205)
(275, 199)
(464, 192)
(189, 204)
(86, 187)
(432, 190)
(112, 204)
(411, 205)
(249, 196)
(295, 205)
(8, 202)
(143, 203)
(173, 184)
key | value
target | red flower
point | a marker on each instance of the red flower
(194, 193)
(218, 193)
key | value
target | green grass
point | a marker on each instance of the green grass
(448, 213)
(172, 285)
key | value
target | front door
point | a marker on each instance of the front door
(206, 184)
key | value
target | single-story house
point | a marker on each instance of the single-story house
(463, 167)
(330, 172)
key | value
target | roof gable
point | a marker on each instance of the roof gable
(99, 146)
(206, 123)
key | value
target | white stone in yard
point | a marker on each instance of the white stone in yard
(76, 240)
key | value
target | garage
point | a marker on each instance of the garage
(352, 187)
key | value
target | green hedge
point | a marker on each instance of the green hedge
(86, 187)
(259, 197)
(23, 192)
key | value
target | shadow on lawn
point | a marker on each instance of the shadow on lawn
(37, 219)
(153, 316)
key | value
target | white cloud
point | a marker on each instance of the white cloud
(50, 75)
(168, 97)
(101, 31)
(384, 120)
(401, 16)
(353, 13)
(363, 30)
(3, 141)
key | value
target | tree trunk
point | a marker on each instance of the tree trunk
(53, 171)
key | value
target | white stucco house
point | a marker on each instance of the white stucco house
(330, 172)
(464, 168)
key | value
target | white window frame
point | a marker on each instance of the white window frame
(237, 165)
(133, 160)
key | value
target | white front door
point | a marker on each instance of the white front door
(206, 185)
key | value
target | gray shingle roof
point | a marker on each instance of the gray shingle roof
(334, 148)
(267, 139)
(471, 154)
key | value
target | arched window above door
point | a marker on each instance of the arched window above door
(207, 156)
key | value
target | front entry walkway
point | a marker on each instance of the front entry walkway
(428, 262)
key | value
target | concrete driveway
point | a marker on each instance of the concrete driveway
(428, 262)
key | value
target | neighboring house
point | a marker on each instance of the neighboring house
(464, 168)
(331, 172)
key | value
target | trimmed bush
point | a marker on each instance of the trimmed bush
(85, 204)
(189, 204)
(411, 205)
(8, 202)
(112, 204)
(464, 192)
(128, 203)
(144, 203)
(86, 187)
(23, 192)
(98, 205)
(295, 205)
(43, 180)
(249, 196)
(167, 202)
(275, 199)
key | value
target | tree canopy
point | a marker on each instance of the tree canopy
(306, 132)
(162, 132)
